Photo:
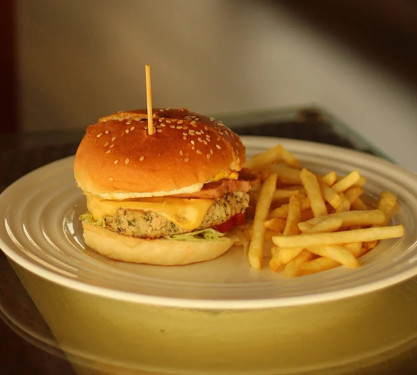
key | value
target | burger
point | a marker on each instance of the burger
(172, 197)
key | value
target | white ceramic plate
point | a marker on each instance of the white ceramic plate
(39, 229)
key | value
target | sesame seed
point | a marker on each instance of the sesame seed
(192, 122)
(168, 121)
(208, 156)
(179, 127)
(107, 132)
(126, 161)
(99, 135)
(127, 131)
(106, 144)
(180, 121)
(205, 142)
(186, 159)
(132, 128)
(112, 145)
(128, 122)
(113, 138)
(211, 151)
(161, 110)
(116, 161)
(199, 139)
(192, 142)
(181, 153)
(196, 118)
(219, 147)
(108, 151)
(141, 158)
(184, 137)
(198, 133)
(159, 130)
(162, 125)
(111, 179)
(199, 152)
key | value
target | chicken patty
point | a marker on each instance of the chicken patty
(148, 224)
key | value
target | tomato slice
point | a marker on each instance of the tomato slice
(238, 219)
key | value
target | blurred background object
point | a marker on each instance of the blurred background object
(70, 62)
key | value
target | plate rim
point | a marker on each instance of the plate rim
(217, 303)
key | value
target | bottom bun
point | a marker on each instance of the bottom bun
(158, 252)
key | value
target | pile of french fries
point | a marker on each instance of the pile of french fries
(315, 222)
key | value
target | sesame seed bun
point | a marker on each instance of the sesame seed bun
(157, 252)
(118, 159)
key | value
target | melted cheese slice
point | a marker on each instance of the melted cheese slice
(231, 175)
(188, 214)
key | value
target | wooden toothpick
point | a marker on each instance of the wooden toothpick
(149, 99)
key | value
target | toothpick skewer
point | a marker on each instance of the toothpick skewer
(149, 99)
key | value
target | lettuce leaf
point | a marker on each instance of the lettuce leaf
(90, 219)
(197, 235)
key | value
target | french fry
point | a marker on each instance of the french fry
(259, 161)
(368, 245)
(349, 218)
(286, 174)
(336, 238)
(274, 264)
(347, 181)
(338, 253)
(387, 204)
(317, 265)
(329, 194)
(326, 224)
(358, 204)
(353, 193)
(355, 248)
(289, 158)
(281, 194)
(275, 224)
(329, 178)
(256, 246)
(361, 182)
(344, 204)
(286, 254)
(282, 211)
(292, 269)
(310, 183)
(293, 218)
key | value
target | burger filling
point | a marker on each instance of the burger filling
(151, 224)
(216, 208)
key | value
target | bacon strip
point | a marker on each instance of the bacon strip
(218, 188)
